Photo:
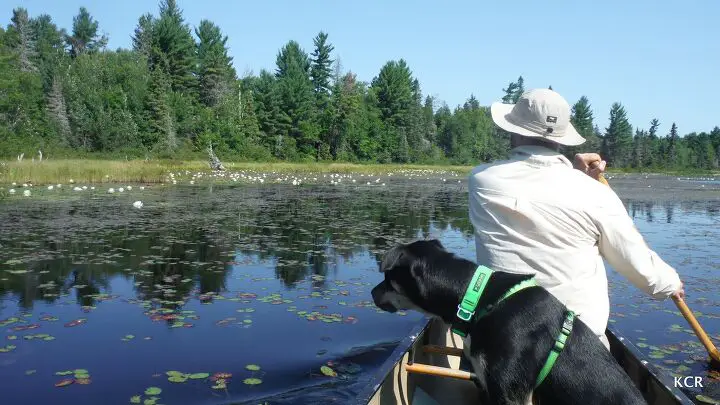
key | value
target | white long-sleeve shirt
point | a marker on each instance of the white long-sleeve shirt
(534, 213)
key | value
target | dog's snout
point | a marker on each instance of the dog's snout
(379, 293)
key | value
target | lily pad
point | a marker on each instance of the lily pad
(135, 400)
(177, 379)
(64, 383)
(173, 373)
(198, 376)
(61, 373)
(707, 400)
(252, 381)
(151, 391)
(252, 367)
(328, 371)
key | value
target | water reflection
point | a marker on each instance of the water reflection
(185, 242)
(316, 247)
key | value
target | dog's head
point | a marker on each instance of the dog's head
(406, 269)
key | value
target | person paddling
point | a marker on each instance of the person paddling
(536, 212)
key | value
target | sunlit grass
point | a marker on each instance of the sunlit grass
(93, 171)
(156, 171)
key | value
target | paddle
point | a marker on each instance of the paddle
(690, 318)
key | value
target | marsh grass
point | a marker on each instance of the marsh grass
(93, 171)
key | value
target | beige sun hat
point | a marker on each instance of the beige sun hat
(539, 113)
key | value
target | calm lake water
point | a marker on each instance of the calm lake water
(260, 293)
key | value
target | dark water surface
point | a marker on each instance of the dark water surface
(219, 294)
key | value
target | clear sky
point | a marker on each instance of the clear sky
(659, 58)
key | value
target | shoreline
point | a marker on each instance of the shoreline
(99, 171)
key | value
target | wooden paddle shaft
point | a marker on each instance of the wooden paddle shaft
(704, 338)
(439, 371)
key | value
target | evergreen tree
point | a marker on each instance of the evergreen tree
(173, 47)
(296, 94)
(672, 147)
(142, 38)
(20, 38)
(321, 68)
(85, 37)
(273, 121)
(618, 136)
(582, 121)
(215, 71)
(651, 151)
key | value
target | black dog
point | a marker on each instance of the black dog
(509, 345)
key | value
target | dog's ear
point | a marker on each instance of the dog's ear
(437, 243)
(397, 256)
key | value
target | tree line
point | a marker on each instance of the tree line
(176, 92)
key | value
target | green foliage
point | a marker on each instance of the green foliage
(618, 137)
(84, 36)
(176, 92)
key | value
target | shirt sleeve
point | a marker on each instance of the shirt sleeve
(624, 248)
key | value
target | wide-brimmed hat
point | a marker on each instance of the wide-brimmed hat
(539, 113)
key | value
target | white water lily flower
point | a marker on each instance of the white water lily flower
(26, 193)
(138, 204)
(11, 191)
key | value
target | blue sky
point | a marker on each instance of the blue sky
(659, 58)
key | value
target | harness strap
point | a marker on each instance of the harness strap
(557, 348)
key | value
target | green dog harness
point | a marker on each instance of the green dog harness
(468, 307)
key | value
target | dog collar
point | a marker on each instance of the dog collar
(470, 300)
(466, 308)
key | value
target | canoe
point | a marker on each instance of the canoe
(402, 378)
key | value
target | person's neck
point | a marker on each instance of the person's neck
(517, 141)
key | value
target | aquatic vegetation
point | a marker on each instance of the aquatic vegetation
(210, 278)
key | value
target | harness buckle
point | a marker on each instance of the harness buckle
(464, 314)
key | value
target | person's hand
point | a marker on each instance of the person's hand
(680, 292)
(590, 163)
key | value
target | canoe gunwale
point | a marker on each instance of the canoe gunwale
(376, 379)
(623, 348)
(649, 378)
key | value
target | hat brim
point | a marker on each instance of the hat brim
(499, 112)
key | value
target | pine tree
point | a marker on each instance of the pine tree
(582, 120)
(215, 70)
(273, 120)
(142, 38)
(520, 89)
(85, 37)
(58, 111)
(296, 93)
(510, 92)
(637, 152)
(651, 151)
(162, 123)
(618, 136)
(174, 47)
(321, 68)
(672, 147)
(21, 40)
